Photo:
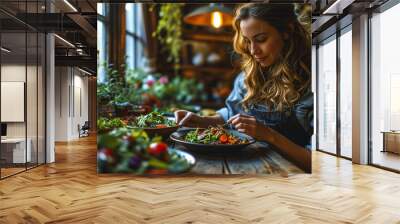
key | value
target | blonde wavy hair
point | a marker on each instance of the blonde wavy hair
(281, 84)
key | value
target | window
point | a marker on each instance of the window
(385, 84)
(314, 90)
(101, 40)
(135, 36)
(327, 95)
(22, 75)
(346, 93)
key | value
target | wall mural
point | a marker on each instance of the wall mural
(198, 89)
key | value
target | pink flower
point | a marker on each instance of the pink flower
(163, 80)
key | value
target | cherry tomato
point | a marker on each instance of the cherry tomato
(157, 148)
(161, 126)
(223, 138)
(107, 151)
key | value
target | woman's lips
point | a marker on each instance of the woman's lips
(261, 59)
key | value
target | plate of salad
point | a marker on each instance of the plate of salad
(125, 150)
(212, 139)
(108, 124)
(155, 123)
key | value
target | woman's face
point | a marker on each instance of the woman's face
(263, 40)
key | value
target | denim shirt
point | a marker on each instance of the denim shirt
(296, 123)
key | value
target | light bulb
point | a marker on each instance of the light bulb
(216, 19)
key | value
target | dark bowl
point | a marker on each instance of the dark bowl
(178, 137)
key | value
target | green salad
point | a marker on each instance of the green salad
(104, 124)
(125, 150)
(213, 135)
(153, 120)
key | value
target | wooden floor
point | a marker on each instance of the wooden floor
(10, 171)
(70, 191)
(386, 159)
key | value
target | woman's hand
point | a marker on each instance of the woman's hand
(187, 118)
(249, 125)
(190, 119)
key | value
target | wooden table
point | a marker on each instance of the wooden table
(257, 158)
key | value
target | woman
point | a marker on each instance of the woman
(271, 99)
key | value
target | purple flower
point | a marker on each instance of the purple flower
(135, 162)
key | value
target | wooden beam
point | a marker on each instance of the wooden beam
(84, 24)
(207, 37)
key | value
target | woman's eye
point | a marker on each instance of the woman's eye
(261, 39)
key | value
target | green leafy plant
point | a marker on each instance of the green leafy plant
(169, 31)
(120, 90)
(137, 87)
(188, 90)
(179, 91)
(104, 94)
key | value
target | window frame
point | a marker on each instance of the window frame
(379, 10)
(333, 37)
(135, 35)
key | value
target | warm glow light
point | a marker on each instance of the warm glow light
(216, 19)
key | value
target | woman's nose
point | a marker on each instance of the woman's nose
(254, 49)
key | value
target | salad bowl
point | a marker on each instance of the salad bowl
(155, 123)
(132, 151)
(179, 138)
